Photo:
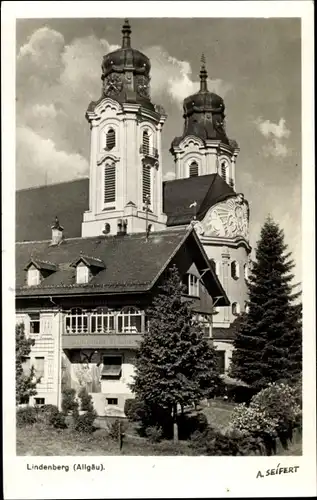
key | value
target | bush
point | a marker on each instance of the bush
(69, 403)
(215, 443)
(281, 402)
(26, 416)
(253, 420)
(84, 423)
(57, 420)
(154, 434)
(114, 429)
(130, 408)
(149, 416)
(189, 424)
(86, 403)
(46, 412)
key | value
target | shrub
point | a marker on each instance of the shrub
(84, 423)
(215, 443)
(86, 403)
(69, 403)
(57, 420)
(253, 420)
(154, 434)
(26, 416)
(189, 424)
(46, 412)
(130, 408)
(281, 402)
(114, 427)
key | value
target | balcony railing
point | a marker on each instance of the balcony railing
(148, 151)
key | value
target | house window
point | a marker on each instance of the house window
(110, 183)
(193, 169)
(130, 320)
(112, 367)
(235, 307)
(146, 142)
(146, 184)
(39, 367)
(76, 321)
(102, 321)
(35, 323)
(26, 366)
(82, 274)
(216, 266)
(246, 307)
(110, 139)
(235, 272)
(205, 326)
(221, 360)
(193, 285)
(112, 401)
(39, 401)
(33, 276)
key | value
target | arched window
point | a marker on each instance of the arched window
(216, 265)
(235, 272)
(193, 169)
(110, 183)
(146, 142)
(76, 321)
(235, 307)
(102, 320)
(223, 170)
(146, 184)
(246, 272)
(110, 139)
(130, 320)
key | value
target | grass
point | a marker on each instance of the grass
(218, 413)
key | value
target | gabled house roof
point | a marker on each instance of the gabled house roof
(204, 190)
(89, 261)
(41, 265)
(134, 263)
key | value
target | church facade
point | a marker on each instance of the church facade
(83, 290)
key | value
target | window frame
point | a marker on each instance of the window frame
(190, 165)
(125, 315)
(104, 375)
(147, 183)
(193, 285)
(109, 172)
(235, 270)
(41, 377)
(33, 276)
(75, 326)
(34, 319)
(83, 269)
(107, 319)
(112, 139)
(235, 308)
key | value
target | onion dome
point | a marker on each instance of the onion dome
(204, 113)
(126, 58)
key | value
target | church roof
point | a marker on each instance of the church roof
(205, 190)
(36, 207)
(148, 258)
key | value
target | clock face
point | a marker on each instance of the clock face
(142, 86)
(113, 85)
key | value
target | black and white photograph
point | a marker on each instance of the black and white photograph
(159, 271)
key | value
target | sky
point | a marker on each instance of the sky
(254, 64)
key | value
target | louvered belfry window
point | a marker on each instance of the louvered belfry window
(146, 186)
(110, 139)
(193, 169)
(223, 170)
(146, 142)
(110, 183)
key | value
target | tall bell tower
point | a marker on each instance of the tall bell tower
(125, 152)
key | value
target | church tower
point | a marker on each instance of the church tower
(125, 180)
(204, 147)
(205, 160)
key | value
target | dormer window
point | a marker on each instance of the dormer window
(82, 273)
(38, 270)
(33, 276)
(86, 268)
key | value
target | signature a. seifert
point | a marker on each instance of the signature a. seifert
(277, 471)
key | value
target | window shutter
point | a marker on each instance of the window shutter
(110, 139)
(110, 183)
(146, 186)
(193, 169)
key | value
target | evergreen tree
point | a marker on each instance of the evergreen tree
(25, 384)
(174, 365)
(268, 341)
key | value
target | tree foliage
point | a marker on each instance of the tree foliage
(268, 341)
(25, 383)
(174, 365)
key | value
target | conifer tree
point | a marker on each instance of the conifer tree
(25, 384)
(268, 341)
(174, 364)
